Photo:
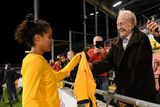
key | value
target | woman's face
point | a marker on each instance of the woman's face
(47, 41)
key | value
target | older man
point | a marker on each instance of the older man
(131, 58)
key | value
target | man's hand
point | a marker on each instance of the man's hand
(152, 26)
(99, 50)
(91, 66)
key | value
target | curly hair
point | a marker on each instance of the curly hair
(27, 29)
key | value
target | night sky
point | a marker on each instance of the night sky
(58, 14)
(63, 15)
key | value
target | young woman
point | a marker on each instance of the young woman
(40, 87)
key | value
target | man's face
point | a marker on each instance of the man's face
(70, 55)
(63, 59)
(124, 25)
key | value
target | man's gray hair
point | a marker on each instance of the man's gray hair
(131, 15)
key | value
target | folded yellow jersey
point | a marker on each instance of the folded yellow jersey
(84, 85)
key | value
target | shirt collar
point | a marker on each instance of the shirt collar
(128, 37)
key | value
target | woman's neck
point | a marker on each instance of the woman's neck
(36, 51)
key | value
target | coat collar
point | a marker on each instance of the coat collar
(134, 39)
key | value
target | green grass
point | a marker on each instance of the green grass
(6, 103)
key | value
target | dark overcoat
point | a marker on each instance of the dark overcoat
(133, 67)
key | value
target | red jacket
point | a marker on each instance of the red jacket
(97, 57)
(57, 65)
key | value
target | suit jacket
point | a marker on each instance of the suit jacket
(133, 67)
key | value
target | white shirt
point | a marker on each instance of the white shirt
(126, 40)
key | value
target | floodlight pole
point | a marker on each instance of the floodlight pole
(36, 14)
(107, 27)
(70, 40)
(96, 24)
(84, 23)
(36, 9)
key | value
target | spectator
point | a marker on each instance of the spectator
(63, 59)
(56, 65)
(72, 76)
(153, 28)
(51, 62)
(154, 40)
(96, 54)
(10, 76)
(131, 57)
(60, 62)
(1, 83)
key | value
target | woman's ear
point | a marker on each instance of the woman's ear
(37, 38)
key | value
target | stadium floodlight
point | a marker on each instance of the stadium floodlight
(91, 14)
(117, 3)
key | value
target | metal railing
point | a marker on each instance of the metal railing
(129, 100)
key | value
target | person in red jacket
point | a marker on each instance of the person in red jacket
(96, 54)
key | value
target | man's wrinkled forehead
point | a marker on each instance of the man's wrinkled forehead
(123, 17)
